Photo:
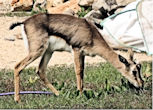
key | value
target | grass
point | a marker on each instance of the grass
(104, 88)
(84, 11)
(22, 13)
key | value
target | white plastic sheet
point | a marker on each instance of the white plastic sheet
(145, 15)
(131, 28)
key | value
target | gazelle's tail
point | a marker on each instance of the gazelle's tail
(15, 24)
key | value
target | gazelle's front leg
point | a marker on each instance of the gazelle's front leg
(79, 67)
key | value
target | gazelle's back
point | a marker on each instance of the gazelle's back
(75, 31)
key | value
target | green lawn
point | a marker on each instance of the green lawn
(104, 88)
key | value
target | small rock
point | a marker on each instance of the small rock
(124, 2)
(86, 2)
(9, 38)
(39, 4)
(94, 16)
(71, 4)
(100, 3)
(49, 4)
(110, 4)
(69, 12)
(57, 2)
(21, 5)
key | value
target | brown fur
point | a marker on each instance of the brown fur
(78, 33)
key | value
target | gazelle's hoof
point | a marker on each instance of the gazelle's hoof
(17, 99)
(57, 93)
(80, 90)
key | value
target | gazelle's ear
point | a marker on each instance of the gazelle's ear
(131, 54)
(123, 60)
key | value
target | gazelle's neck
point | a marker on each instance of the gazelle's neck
(113, 58)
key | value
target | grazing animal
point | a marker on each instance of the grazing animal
(45, 33)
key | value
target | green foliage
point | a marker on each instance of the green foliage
(23, 13)
(40, 10)
(19, 14)
(104, 87)
(83, 11)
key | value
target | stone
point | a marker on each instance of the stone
(110, 5)
(86, 2)
(12, 38)
(70, 12)
(101, 3)
(91, 16)
(21, 5)
(49, 4)
(71, 4)
(39, 4)
(57, 2)
(124, 2)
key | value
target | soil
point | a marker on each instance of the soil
(12, 48)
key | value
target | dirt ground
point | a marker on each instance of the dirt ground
(12, 49)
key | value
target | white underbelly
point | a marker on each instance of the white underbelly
(58, 44)
(24, 36)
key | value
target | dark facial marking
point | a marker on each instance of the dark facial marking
(135, 73)
(123, 60)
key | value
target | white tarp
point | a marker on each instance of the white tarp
(145, 15)
(133, 27)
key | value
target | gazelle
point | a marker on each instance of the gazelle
(46, 33)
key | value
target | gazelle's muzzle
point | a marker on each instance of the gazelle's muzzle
(139, 86)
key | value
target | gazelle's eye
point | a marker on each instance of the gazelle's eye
(138, 66)
(134, 73)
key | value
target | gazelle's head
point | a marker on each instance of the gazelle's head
(132, 71)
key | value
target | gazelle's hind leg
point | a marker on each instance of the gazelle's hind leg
(35, 51)
(41, 71)
(79, 67)
(19, 67)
